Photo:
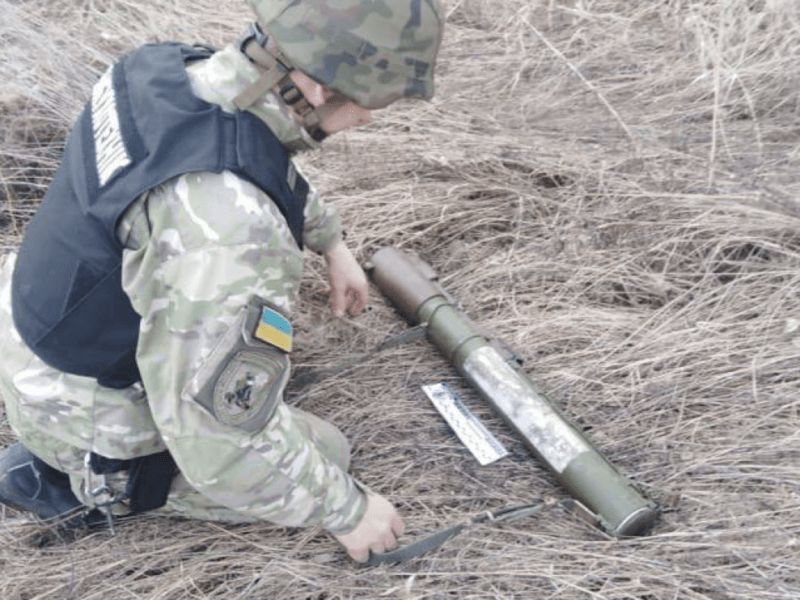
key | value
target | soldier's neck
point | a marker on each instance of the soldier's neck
(220, 78)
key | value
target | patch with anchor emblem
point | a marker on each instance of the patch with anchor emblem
(249, 388)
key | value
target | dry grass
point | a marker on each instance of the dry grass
(611, 186)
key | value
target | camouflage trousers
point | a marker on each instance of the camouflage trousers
(61, 418)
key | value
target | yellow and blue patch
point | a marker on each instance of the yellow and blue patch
(273, 328)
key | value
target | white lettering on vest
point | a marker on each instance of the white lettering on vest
(109, 148)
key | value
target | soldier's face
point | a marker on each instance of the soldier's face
(339, 113)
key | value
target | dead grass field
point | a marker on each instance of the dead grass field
(612, 188)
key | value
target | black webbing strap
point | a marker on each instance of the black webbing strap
(149, 477)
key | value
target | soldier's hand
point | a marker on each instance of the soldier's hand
(376, 532)
(349, 287)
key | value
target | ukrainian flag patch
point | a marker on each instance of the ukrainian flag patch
(274, 329)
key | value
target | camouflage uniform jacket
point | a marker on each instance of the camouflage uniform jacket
(197, 249)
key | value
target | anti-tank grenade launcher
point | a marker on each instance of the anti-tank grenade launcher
(618, 507)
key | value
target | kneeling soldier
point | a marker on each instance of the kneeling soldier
(147, 310)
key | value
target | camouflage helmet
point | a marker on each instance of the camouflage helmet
(372, 51)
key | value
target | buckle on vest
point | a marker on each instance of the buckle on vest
(253, 33)
(100, 493)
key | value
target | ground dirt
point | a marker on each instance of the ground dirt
(612, 188)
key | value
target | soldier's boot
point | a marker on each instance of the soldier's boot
(29, 484)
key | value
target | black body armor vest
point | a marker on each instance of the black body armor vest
(142, 127)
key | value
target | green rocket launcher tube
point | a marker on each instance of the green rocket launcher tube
(610, 498)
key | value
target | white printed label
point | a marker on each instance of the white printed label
(478, 440)
(110, 150)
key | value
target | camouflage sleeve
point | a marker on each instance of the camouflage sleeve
(212, 243)
(322, 225)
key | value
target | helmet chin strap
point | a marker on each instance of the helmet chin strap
(310, 116)
(275, 68)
